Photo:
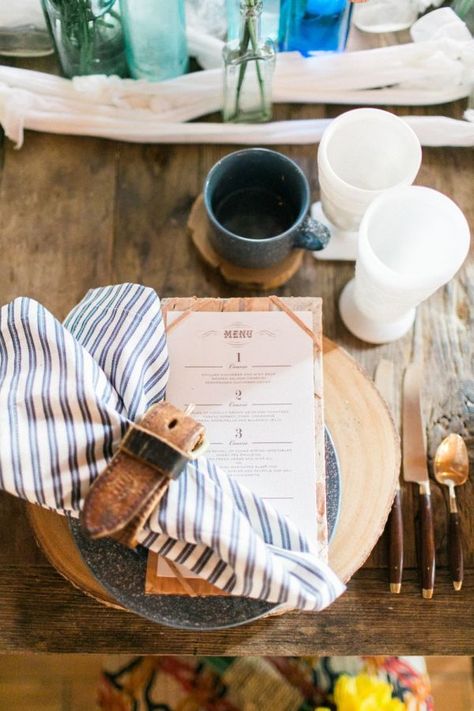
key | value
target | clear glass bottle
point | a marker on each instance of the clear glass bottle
(270, 19)
(314, 25)
(87, 35)
(249, 64)
(155, 38)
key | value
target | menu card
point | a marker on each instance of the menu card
(252, 377)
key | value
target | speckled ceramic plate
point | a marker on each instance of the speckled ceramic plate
(122, 572)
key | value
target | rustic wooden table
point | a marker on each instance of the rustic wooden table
(82, 212)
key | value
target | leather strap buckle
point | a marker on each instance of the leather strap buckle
(150, 455)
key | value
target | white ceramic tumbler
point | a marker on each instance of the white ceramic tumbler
(386, 15)
(412, 240)
(361, 154)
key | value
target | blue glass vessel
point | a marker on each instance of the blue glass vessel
(314, 25)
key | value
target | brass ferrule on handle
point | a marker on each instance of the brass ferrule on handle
(425, 488)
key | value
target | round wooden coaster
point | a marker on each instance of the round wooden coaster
(368, 449)
(265, 279)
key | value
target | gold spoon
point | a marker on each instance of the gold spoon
(451, 467)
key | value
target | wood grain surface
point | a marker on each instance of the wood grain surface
(81, 212)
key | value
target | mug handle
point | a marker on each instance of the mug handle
(312, 235)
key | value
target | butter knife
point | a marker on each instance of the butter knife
(385, 383)
(415, 470)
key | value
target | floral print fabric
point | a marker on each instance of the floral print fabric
(265, 684)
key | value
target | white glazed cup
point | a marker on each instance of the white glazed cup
(385, 15)
(412, 240)
(361, 154)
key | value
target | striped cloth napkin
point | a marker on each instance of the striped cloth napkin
(67, 395)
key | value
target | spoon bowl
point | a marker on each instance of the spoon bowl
(451, 468)
(451, 465)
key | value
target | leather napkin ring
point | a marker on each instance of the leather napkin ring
(151, 454)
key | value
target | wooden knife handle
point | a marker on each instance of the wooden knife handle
(396, 544)
(427, 545)
(456, 562)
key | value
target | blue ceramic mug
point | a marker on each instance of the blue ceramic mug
(257, 202)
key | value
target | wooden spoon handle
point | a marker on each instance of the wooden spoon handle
(427, 546)
(456, 562)
(396, 544)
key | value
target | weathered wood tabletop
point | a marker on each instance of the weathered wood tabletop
(80, 212)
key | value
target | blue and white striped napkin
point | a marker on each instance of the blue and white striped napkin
(67, 395)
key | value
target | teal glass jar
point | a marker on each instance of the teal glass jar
(155, 38)
(87, 36)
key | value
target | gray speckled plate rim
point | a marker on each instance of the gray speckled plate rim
(334, 494)
(114, 566)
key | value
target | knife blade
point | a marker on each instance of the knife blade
(385, 383)
(415, 470)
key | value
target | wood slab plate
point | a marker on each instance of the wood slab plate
(368, 450)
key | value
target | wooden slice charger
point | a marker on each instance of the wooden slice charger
(265, 279)
(368, 448)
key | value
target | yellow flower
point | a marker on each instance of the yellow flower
(365, 693)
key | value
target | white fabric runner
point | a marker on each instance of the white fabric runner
(428, 71)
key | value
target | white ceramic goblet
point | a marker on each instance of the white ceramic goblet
(361, 154)
(412, 240)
